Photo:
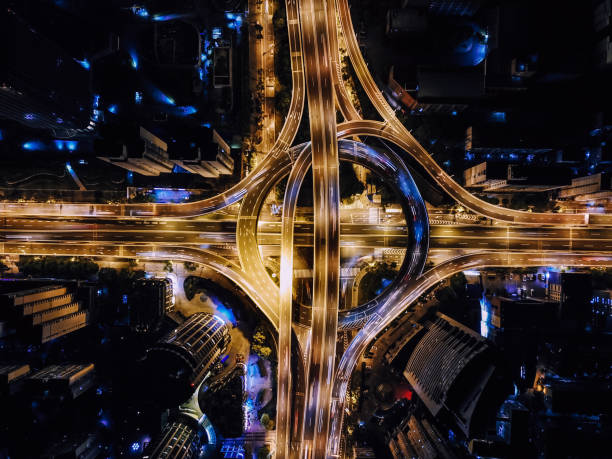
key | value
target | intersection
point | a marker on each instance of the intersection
(168, 231)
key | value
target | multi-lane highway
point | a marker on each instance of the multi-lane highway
(268, 234)
(326, 206)
(286, 306)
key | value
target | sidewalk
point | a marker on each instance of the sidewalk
(261, 68)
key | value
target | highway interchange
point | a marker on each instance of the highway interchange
(161, 231)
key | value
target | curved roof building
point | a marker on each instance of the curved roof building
(182, 358)
(178, 440)
(453, 370)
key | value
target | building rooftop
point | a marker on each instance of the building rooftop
(452, 371)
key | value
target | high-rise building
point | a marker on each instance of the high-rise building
(60, 380)
(504, 177)
(142, 152)
(11, 375)
(41, 86)
(446, 7)
(363, 452)
(182, 358)
(602, 25)
(418, 438)
(573, 291)
(509, 313)
(454, 7)
(596, 188)
(42, 313)
(178, 439)
(209, 156)
(508, 140)
(148, 154)
(453, 371)
(602, 310)
(149, 303)
(514, 325)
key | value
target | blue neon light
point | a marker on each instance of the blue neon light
(162, 98)
(33, 145)
(138, 97)
(179, 170)
(29, 116)
(135, 447)
(84, 63)
(499, 117)
(229, 15)
(134, 59)
(1, 135)
(96, 100)
(140, 11)
(226, 313)
(170, 195)
(166, 17)
(112, 108)
(186, 111)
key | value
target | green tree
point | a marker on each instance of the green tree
(107, 275)
(267, 422)
(3, 267)
(260, 345)
(57, 267)
(490, 199)
(263, 452)
(168, 266)
(349, 183)
(190, 266)
(386, 194)
(372, 281)
(458, 283)
(258, 31)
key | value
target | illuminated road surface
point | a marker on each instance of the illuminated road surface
(326, 266)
